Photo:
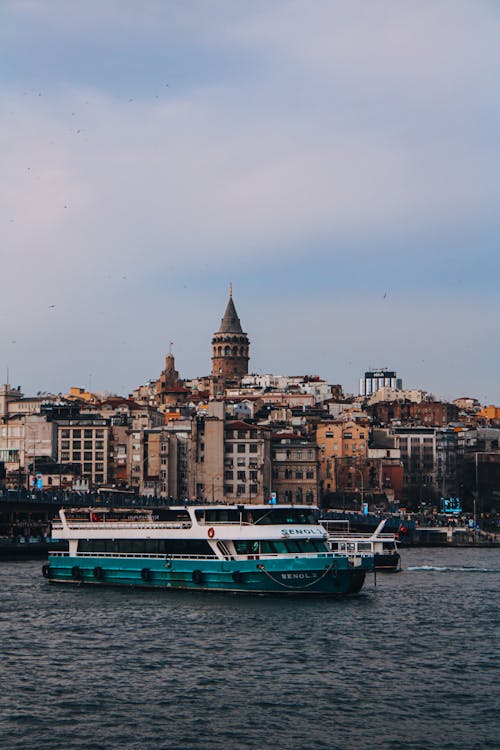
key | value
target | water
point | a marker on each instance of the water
(410, 664)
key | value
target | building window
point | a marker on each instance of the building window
(298, 474)
(241, 476)
(228, 475)
(87, 455)
(241, 447)
(228, 489)
(87, 433)
(240, 489)
(229, 447)
(77, 456)
(253, 489)
(310, 474)
(254, 447)
(87, 468)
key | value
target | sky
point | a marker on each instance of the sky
(336, 161)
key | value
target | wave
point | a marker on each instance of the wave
(452, 569)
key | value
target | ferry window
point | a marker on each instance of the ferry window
(292, 546)
(318, 546)
(247, 548)
(266, 548)
(280, 548)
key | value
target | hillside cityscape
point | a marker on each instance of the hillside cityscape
(233, 436)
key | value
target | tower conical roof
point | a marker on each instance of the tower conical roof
(230, 322)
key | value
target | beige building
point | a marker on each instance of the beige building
(86, 440)
(23, 440)
(336, 442)
(295, 469)
(233, 462)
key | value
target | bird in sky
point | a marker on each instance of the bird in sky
(51, 307)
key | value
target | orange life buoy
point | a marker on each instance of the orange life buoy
(211, 532)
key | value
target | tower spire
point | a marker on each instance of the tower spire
(230, 345)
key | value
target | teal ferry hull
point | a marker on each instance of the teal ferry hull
(319, 576)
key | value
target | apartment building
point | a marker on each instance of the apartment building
(295, 476)
(233, 460)
(336, 442)
(86, 440)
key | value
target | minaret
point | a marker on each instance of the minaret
(230, 345)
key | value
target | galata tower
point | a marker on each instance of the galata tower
(230, 346)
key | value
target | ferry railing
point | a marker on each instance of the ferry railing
(362, 536)
(154, 555)
(121, 525)
(158, 556)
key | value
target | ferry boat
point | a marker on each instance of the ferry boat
(381, 547)
(258, 549)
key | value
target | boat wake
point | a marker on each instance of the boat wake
(451, 569)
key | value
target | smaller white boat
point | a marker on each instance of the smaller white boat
(382, 547)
